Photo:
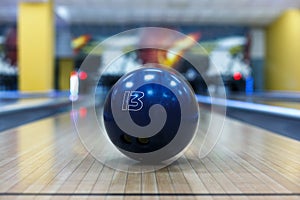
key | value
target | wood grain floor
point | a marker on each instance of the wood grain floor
(46, 160)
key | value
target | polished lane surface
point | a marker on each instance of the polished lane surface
(46, 160)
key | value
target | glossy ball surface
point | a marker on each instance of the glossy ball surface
(151, 114)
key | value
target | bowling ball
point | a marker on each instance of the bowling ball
(151, 114)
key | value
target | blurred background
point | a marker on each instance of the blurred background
(255, 44)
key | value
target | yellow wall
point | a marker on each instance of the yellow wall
(36, 46)
(283, 52)
(66, 66)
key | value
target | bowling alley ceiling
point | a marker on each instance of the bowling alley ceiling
(245, 12)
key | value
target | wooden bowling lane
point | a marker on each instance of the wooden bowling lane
(46, 160)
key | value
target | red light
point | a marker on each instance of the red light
(237, 76)
(82, 112)
(83, 75)
(73, 73)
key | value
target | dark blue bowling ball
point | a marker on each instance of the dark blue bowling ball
(151, 114)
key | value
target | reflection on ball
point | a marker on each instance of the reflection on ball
(151, 115)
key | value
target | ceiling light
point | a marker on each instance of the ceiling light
(63, 12)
